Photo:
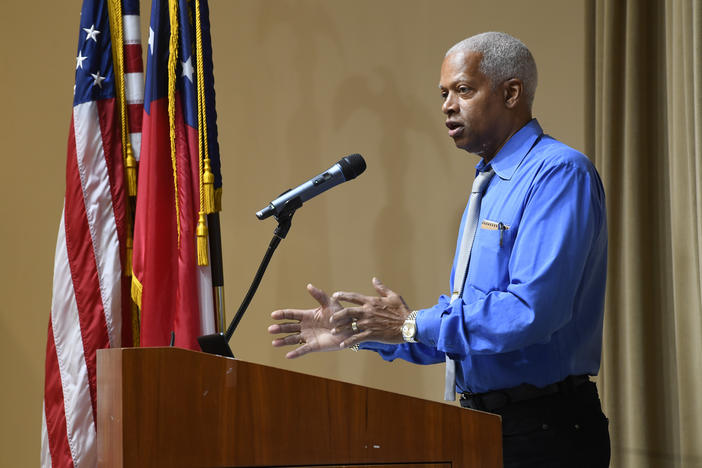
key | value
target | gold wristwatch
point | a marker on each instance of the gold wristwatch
(409, 328)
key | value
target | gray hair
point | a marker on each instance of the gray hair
(504, 57)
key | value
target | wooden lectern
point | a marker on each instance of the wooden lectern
(170, 407)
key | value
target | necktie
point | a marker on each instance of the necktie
(476, 194)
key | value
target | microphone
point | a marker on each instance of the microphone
(348, 167)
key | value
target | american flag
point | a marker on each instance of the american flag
(90, 306)
(174, 293)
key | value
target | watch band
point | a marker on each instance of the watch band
(409, 328)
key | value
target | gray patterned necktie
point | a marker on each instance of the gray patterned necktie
(476, 195)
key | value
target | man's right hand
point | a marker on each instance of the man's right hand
(311, 328)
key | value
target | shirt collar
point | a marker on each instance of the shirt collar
(512, 153)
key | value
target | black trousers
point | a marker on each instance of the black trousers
(566, 430)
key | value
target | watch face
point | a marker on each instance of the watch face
(408, 330)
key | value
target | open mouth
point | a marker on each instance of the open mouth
(455, 128)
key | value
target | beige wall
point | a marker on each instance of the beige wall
(299, 84)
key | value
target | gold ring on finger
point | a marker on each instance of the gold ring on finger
(354, 327)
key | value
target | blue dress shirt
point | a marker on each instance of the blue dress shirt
(533, 302)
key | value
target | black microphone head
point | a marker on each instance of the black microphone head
(352, 166)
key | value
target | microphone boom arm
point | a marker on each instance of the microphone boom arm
(218, 343)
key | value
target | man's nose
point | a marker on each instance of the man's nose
(450, 105)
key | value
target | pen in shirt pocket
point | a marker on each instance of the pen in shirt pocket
(495, 226)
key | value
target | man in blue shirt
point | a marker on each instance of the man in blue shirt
(524, 326)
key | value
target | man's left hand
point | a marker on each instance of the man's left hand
(376, 318)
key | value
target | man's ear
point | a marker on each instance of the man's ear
(513, 90)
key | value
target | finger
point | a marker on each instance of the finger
(288, 327)
(352, 297)
(381, 288)
(319, 295)
(355, 339)
(345, 316)
(347, 331)
(287, 314)
(287, 340)
(301, 351)
(347, 328)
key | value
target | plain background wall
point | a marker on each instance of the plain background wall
(299, 84)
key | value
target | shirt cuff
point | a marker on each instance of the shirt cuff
(428, 323)
(375, 346)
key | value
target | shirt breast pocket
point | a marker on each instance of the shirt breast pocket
(489, 259)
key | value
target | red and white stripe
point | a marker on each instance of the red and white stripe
(133, 79)
(88, 288)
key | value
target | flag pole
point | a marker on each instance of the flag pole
(216, 265)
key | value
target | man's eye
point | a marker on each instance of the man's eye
(444, 95)
(463, 89)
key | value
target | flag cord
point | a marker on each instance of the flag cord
(116, 27)
(172, 61)
(204, 169)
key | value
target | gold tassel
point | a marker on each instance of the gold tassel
(131, 171)
(137, 289)
(201, 233)
(130, 250)
(208, 182)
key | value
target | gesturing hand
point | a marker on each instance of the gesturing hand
(376, 319)
(311, 327)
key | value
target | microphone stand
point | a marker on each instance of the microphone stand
(218, 343)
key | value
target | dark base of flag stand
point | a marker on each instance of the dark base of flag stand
(218, 343)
